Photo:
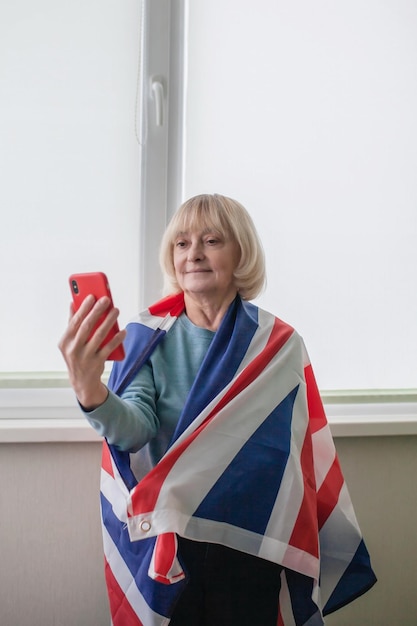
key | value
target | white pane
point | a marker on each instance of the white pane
(305, 112)
(69, 163)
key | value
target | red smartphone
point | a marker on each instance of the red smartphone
(95, 283)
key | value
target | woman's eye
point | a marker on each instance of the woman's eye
(179, 244)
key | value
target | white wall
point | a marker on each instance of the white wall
(50, 538)
(305, 112)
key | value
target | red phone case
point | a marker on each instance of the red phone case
(95, 283)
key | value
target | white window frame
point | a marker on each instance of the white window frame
(162, 192)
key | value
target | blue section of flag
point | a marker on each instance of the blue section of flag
(139, 344)
(356, 580)
(304, 609)
(236, 498)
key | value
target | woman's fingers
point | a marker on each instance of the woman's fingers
(83, 349)
(88, 316)
(101, 327)
(97, 323)
(81, 328)
(76, 317)
(114, 343)
(88, 330)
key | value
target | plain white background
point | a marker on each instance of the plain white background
(305, 112)
(70, 166)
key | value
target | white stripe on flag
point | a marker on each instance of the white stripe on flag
(154, 322)
(285, 602)
(116, 493)
(338, 555)
(324, 454)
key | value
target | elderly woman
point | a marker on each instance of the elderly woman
(222, 497)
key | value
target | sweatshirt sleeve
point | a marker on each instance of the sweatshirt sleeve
(128, 422)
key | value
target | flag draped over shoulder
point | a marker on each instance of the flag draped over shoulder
(252, 466)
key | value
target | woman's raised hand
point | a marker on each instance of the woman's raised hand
(82, 352)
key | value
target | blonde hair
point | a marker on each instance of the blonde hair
(229, 218)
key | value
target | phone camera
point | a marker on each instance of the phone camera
(74, 286)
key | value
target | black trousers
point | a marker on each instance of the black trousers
(226, 588)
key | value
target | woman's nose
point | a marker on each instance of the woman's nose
(195, 251)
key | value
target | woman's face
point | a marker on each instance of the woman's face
(204, 262)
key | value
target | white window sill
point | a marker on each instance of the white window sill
(46, 411)
(42, 415)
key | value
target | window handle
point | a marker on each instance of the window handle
(158, 95)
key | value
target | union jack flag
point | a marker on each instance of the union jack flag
(252, 466)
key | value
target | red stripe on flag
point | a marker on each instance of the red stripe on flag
(144, 497)
(106, 463)
(121, 610)
(171, 305)
(315, 406)
(305, 532)
(329, 492)
(165, 553)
